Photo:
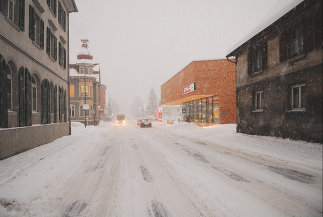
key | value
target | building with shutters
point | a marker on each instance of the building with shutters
(84, 88)
(34, 50)
(279, 77)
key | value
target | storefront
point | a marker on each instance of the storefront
(205, 110)
(205, 90)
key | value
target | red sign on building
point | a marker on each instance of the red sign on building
(189, 88)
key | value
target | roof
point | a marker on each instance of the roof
(74, 73)
(267, 26)
(70, 6)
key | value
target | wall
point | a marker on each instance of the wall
(212, 77)
(16, 140)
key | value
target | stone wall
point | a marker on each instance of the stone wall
(16, 140)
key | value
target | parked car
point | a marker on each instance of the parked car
(139, 122)
(145, 123)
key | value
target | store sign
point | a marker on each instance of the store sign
(189, 88)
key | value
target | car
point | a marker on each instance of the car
(139, 122)
(145, 123)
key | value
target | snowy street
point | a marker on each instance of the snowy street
(178, 170)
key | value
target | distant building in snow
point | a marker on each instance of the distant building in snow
(34, 55)
(205, 90)
(279, 77)
(84, 88)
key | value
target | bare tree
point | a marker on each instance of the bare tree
(152, 104)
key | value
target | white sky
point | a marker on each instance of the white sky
(142, 43)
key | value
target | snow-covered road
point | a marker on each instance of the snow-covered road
(178, 170)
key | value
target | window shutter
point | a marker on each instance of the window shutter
(308, 35)
(282, 47)
(4, 7)
(64, 107)
(31, 23)
(318, 30)
(48, 41)
(64, 58)
(3, 94)
(48, 3)
(64, 20)
(21, 86)
(265, 55)
(28, 102)
(59, 13)
(55, 104)
(55, 48)
(55, 4)
(21, 23)
(42, 34)
(60, 54)
(47, 103)
(250, 59)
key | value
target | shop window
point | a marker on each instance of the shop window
(36, 28)
(298, 97)
(9, 87)
(34, 93)
(51, 45)
(60, 104)
(257, 58)
(71, 90)
(72, 110)
(64, 106)
(86, 90)
(259, 101)
(15, 11)
(52, 6)
(55, 104)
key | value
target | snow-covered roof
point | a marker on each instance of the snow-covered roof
(96, 68)
(83, 51)
(264, 25)
(74, 73)
(88, 61)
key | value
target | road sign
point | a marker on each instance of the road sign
(86, 107)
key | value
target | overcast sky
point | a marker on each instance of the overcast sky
(142, 43)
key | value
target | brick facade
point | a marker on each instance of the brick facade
(213, 78)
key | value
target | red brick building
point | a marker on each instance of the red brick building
(206, 88)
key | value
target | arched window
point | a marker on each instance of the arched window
(24, 92)
(3, 94)
(34, 93)
(45, 96)
(72, 110)
(9, 87)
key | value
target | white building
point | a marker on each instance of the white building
(34, 51)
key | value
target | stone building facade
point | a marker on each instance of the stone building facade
(279, 77)
(84, 88)
(206, 89)
(34, 54)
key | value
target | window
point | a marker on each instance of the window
(257, 58)
(9, 87)
(36, 28)
(34, 93)
(71, 90)
(15, 11)
(86, 90)
(62, 55)
(298, 95)
(45, 102)
(51, 45)
(52, 6)
(81, 90)
(72, 110)
(295, 44)
(259, 101)
(61, 16)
